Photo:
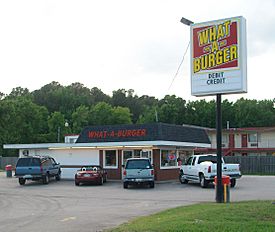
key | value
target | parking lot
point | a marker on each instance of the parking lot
(61, 206)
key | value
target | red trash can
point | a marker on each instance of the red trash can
(8, 170)
(226, 187)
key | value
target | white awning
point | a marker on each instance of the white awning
(107, 145)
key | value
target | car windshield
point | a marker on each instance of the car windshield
(138, 164)
(210, 158)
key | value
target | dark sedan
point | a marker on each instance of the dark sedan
(91, 174)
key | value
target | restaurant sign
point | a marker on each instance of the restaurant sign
(218, 57)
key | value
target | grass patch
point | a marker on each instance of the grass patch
(240, 216)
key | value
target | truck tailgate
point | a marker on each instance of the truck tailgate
(227, 169)
(21, 171)
(138, 173)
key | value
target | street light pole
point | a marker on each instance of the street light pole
(58, 134)
(66, 124)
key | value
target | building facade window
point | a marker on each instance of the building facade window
(174, 158)
(253, 138)
(225, 140)
(168, 158)
(136, 154)
(110, 159)
(25, 152)
(183, 155)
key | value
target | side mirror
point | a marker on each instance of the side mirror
(123, 165)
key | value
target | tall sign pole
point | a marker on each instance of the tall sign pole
(219, 187)
(218, 66)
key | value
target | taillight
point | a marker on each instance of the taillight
(209, 169)
(152, 172)
(124, 173)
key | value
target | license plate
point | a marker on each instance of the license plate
(27, 176)
(139, 180)
(86, 175)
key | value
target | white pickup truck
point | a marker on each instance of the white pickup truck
(203, 169)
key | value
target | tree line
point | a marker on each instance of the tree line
(54, 110)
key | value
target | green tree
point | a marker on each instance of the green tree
(201, 113)
(19, 92)
(150, 115)
(22, 121)
(98, 96)
(49, 96)
(127, 98)
(104, 114)
(228, 114)
(172, 110)
(57, 129)
(2, 95)
(66, 99)
(101, 114)
(121, 115)
(253, 113)
(80, 118)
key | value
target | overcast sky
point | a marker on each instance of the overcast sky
(130, 44)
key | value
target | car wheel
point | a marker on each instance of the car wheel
(125, 185)
(182, 181)
(76, 183)
(232, 183)
(203, 181)
(152, 184)
(22, 181)
(46, 179)
(58, 176)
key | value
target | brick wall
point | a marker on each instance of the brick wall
(163, 174)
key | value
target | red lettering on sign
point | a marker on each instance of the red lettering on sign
(105, 134)
(129, 133)
(118, 134)
(143, 132)
(91, 134)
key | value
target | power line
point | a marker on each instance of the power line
(179, 66)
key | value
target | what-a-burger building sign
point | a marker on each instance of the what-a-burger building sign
(218, 57)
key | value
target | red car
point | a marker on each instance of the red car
(91, 174)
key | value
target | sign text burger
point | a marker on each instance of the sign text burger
(218, 57)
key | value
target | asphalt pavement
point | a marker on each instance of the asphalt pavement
(61, 206)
